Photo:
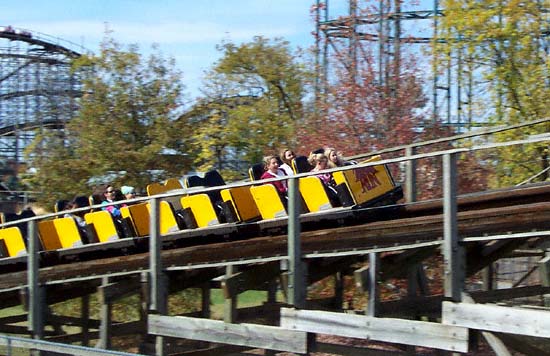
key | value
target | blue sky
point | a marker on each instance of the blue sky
(187, 30)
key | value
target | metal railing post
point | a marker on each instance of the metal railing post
(410, 175)
(452, 250)
(158, 300)
(374, 292)
(297, 280)
(36, 319)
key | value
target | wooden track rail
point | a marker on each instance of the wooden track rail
(375, 235)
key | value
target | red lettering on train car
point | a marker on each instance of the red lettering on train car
(367, 177)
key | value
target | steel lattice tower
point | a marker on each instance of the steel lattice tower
(38, 91)
(386, 26)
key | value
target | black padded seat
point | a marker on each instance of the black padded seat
(213, 179)
(60, 205)
(255, 172)
(300, 164)
(195, 181)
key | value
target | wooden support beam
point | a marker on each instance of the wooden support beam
(180, 280)
(158, 297)
(297, 286)
(14, 329)
(250, 279)
(494, 341)
(394, 265)
(37, 297)
(72, 321)
(374, 292)
(114, 291)
(361, 277)
(230, 303)
(272, 292)
(85, 319)
(412, 281)
(205, 300)
(496, 318)
(544, 271)
(496, 295)
(410, 176)
(408, 332)
(318, 270)
(252, 335)
(338, 299)
(487, 277)
(453, 251)
(496, 344)
(105, 315)
(524, 345)
(423, 285)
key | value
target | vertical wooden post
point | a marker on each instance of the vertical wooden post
(230, 306)
(412, 280)
(146, 339)
(487, 275)
(158, 299)
(105, 315)
(85, 319)
(374, 295)
(410, 176)
(205, 300)
(297, 283)
(338, 300)
(37, 304)
(272, 292)
(423, 286)
(297, 270)
(544, 270)
(452, 250)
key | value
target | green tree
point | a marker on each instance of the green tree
(504, 44)
(125, 131)
(252, 101)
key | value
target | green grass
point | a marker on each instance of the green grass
(247, 299)
(17, 310)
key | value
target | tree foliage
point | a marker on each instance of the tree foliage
(505, 46)
(363, 101)
(124, 129)
(252, 100)
(360, 114)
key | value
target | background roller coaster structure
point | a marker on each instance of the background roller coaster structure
(38, 92)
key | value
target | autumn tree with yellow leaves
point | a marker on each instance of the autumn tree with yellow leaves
(505, 46)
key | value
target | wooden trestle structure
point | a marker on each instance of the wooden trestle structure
(372, 245)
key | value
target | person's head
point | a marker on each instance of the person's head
(271, 163)
(334, 159)
(80, 201)
(287, 155)
(128, 192)
(109, 193)
(319, 161)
